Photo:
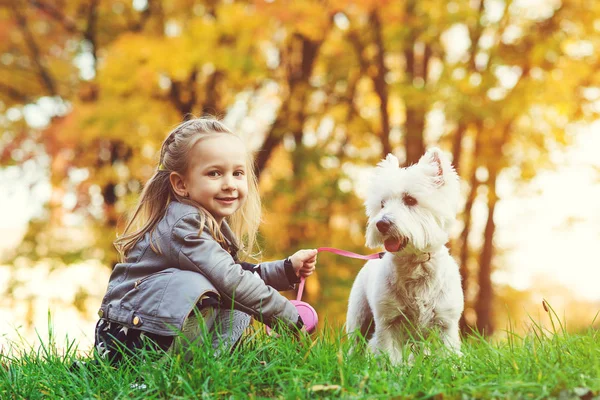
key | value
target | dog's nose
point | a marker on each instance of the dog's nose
(383, 225)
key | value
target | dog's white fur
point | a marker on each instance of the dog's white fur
(417, 287)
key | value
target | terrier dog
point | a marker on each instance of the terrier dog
(416, 286)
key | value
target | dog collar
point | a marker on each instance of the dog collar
(415, 258)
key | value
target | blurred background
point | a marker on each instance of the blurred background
(322, 90)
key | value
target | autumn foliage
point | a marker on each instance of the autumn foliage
(320, 89)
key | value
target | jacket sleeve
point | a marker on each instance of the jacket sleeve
(278, 274)
(237, 287)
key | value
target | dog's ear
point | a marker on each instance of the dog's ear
(390, 161)
(437, 165)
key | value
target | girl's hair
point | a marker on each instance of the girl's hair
(158, 192)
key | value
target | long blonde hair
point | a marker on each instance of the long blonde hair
(158, 192)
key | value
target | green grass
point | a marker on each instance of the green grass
(541, 364)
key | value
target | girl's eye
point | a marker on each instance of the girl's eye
(213, 173)
(409, 200)
(238, 173)
(382, 203)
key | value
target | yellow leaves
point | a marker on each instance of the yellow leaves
(190, 53)
(308, 18)
(357, 7)
(129, 120)
(189, 56)
(135, 62)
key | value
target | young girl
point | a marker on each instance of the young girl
(180, 251)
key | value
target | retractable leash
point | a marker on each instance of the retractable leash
(307, 312)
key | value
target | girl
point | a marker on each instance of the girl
(180, 251)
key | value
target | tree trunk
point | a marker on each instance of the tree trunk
(485, 297)
(484, 303)
(457, 145)
(291, 114)
(380, 84)
(413, 139)
(463, 240)
(417, 65)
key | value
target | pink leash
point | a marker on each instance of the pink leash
(350, 254)
(307, 312)
(339, 252)
(300, 288)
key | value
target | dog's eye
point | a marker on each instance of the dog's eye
(382, 203)
(409, 200)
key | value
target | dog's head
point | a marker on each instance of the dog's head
(411, 209)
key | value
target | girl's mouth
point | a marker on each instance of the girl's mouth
(226, 200)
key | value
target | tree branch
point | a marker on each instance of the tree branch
(44, 74)
(291, 114)
(15, 94)
(90, 31)
(68, 24)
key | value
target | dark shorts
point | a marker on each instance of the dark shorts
(115, 342)
(225, 328)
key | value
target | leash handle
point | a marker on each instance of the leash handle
(300, 288)
(350, 254)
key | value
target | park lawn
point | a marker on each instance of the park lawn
(538, 365)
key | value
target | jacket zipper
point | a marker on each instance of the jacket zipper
(140, 281)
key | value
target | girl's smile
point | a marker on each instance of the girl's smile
(216, 178)
(227, 200)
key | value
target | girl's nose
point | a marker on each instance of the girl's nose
(228, 183)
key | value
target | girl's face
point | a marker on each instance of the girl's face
(216, 177)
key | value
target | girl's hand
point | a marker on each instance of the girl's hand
(304, 262)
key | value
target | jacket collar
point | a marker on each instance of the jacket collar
(228, 234)
(229, 237)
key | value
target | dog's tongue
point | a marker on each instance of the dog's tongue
(392, 244)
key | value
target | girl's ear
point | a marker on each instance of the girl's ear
(178, 184)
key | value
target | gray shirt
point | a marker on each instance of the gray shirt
(156, 292)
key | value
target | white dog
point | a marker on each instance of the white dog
(416, 286)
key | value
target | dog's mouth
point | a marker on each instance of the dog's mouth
(394, 244)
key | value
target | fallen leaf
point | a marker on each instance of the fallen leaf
(323, 388)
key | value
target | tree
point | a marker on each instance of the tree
(321, 90)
